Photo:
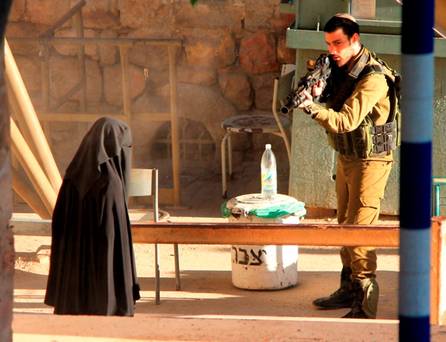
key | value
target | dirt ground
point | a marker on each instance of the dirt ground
(208, 307)
(206, 282)
(207, 299)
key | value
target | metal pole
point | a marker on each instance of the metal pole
(416, 170)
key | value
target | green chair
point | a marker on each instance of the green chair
(437, 183)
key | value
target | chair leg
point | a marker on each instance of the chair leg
(177, 267)
(229, 144)
(157, 277)
(437, 200)
(287, 146)
(223, 166)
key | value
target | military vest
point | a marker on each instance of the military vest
(368, 140)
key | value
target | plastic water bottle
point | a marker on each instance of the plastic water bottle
(268, 170)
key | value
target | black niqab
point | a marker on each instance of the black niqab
(92, 264)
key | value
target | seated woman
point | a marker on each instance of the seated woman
(92, 265)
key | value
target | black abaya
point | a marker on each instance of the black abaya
(92, 265)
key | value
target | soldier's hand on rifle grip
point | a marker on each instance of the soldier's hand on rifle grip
(307, 102)
(318, 88)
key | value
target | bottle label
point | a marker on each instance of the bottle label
(268, 173)
(269, 184)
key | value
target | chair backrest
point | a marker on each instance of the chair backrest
(144, 182)
(284, 85)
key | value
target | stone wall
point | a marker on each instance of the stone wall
(231, 51)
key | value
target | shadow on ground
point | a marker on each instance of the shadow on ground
(212, 293)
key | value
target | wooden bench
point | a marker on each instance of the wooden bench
(301, 234)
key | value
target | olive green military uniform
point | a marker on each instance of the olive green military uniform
(360, 181)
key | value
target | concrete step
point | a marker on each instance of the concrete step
(205, 328)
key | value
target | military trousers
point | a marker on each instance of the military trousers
(360, 186)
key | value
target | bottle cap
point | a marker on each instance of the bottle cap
(268, 146)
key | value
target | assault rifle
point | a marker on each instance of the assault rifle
(321, 71)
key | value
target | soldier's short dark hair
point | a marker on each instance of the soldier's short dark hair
(348, 26)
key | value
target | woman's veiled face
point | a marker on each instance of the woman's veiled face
(118, 145)
(126, 163)
(116, 135)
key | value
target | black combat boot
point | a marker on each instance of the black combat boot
(342, 297)
(365, 301)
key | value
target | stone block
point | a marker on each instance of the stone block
(136, 14)
(281, 22)
(91, 50)
(196, 75)
(143, 134)
(285, 55)
(148, 103)
(65, 139)
(108, 54)
(258, 53)
(64, 74)
(100, 14)
(206, 105)
(24, 29)
(263, 90)
(209, 48)
(30, 71)
(45, 11)
(151, 32)
(149, 56)
(113, 83)
(210, 14)
(236, 88)
(259, 14)
(17, 10)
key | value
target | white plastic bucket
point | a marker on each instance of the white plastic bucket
(266, 267)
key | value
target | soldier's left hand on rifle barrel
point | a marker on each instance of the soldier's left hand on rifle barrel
(305, 105)
(316, 91)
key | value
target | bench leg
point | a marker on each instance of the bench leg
(223, 166)
(177, 267)
(229, 156)
(157, 277)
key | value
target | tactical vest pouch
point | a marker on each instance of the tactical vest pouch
(384, 138)
(366, 141)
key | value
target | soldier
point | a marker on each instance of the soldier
(359, 118)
